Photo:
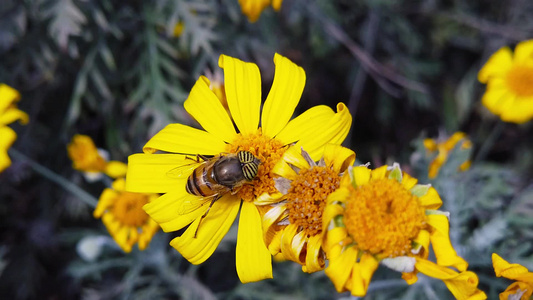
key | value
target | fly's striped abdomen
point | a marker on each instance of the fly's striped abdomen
(202, 183)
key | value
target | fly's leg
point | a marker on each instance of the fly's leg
(205, 214)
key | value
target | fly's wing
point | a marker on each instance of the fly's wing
(195, 203)
(183, 171)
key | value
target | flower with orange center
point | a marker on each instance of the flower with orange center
(92, 161)
(8, 114)
(253, 8)
(150, 172)
(122, 214)
(383, 216)
(443, 149)
(293, 227)
(522, 288)
(509, 80)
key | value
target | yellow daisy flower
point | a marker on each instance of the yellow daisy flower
(443, 149)
(383, 216)
(86, 158)
(509, 80)
(311, 130)
(253, 8)
(122, 214)
(523, 287)
(293, 227)
(8, 114)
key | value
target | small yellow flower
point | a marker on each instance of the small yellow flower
(383, 216)
(312, 130)
(522, 288)
(253, 8)
(509, 80)
(86, 158)
(293, 227)
(178, 29)
(8, 114)
(122, 214)
(443, 150)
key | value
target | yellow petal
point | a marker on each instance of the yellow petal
(408, 182)
(334, 237)
(8, 95)
(271, 217)
(207, 109)
(107, 198)
(431, 200)
(497, 65)
(116, 169)
(361, 175)
(338, 157)
(517, 289)
(340, 268)
(333, 131)
(242, 83)
(170, 211)
(519, 110)
(314, 260)
(178, 138)
(462, 285)
(149, 173)
(379, 173)
(309, 120)
(283, 169)
(253, 8)
(276, 4)
(440, 240)
(291, 242)
(523, 53)
(211, 230)
(7, 138)
(511, 271)
(294, 156)
(252, 256)
(12, 115)
(362, 274)
(287, 88)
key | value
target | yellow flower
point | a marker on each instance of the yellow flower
(122, 214)
(178, 29)
(311, 130)
(8, 114)
(383, 216)
(443, 149)
(509, 80)
(253, 8)
(522, 288)
(86, 158)
(293, 227)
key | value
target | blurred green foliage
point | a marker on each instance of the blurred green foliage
(114, 70)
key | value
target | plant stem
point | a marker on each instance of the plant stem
(52, 176)
(489, 141)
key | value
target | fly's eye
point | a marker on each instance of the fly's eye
(250, 171)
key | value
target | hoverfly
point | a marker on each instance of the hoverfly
(216, 176)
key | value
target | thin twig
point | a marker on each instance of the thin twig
(52, 176)
(373, 67)
(512, 33)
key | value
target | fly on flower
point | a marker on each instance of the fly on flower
(261, 128)
(214, 177)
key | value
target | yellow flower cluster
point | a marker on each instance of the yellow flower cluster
(8, 114)
(120, 211)
(298, 194)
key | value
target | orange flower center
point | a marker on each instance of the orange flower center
(383, 218)
(307, 195)
(128, 210)
(269, 151)
(520, 80)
